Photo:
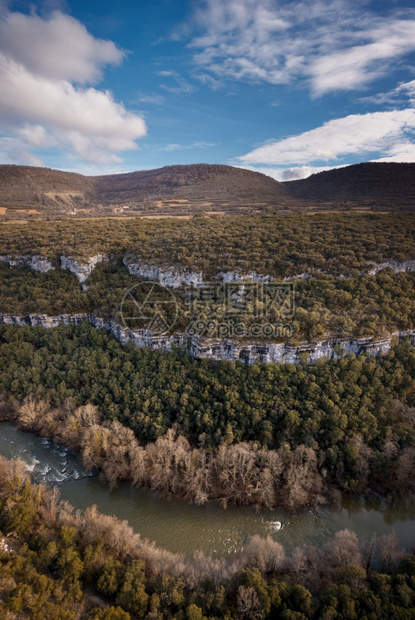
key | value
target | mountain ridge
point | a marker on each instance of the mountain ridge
(200, 189)
(380, 183)
(171, 190)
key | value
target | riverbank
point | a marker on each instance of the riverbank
(241, 474)
(87, 564)
(266, 435)
(207, 528)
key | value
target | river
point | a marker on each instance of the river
(180, 527)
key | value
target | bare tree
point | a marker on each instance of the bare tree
(342, 549)
(389, 552)
(248, 604)
(265, 554)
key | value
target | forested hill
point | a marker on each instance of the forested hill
(369, 185)
(200, 189)
(196, 182)
(173, 190)
(42, 190)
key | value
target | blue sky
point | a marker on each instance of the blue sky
(283, 87)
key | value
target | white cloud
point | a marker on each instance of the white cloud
(24, 157)
(357, 134)
(149, 99)
(58, 48)
(186, 147)
(35, 135)
(353, 67)
(14, 151)
(174, 147)
(180, 85)
(289, 174)
(402, 93)
(41, 104)
(408, 88)
(401, 152)
(212, 82)
(335, 46)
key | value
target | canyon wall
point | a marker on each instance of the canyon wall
(394, 265)
(174, 277)
(209, 348)
(37, 263)
(248, 352)
(81, 268)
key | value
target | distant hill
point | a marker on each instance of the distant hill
(194, 182)
(43, 189)
(173, 190)
(378, 185)
(30, 192)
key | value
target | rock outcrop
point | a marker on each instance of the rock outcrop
(250, 276)
(172, 277)
(44, 320)
(37, 263)
(221, 350)
(40, 263)
(283, 353)
(394, 265)
(82, 269)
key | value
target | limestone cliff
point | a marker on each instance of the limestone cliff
(37, 263)
(394, 265)
(230, 350)
(174, 277)
(82, 268)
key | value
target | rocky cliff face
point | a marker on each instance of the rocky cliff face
(43, 320)
(38, 263)
(82, 269)
(250, 276)
(220, 350)
(174, 277)
(394, 265)
(141, 338)
(282, 353)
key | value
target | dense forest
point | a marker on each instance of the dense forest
(351, 419)
(326, 247)
(291, 435)
(276, 245)
(358, 306)
(67, 565)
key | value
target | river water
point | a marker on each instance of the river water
(180, 527)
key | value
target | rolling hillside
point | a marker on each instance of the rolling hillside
(43, 190)
(200, 189)
(173, 190)
(372, 185)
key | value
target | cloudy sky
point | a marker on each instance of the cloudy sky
(282, 86)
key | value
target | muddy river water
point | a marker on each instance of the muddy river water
(180, 527)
